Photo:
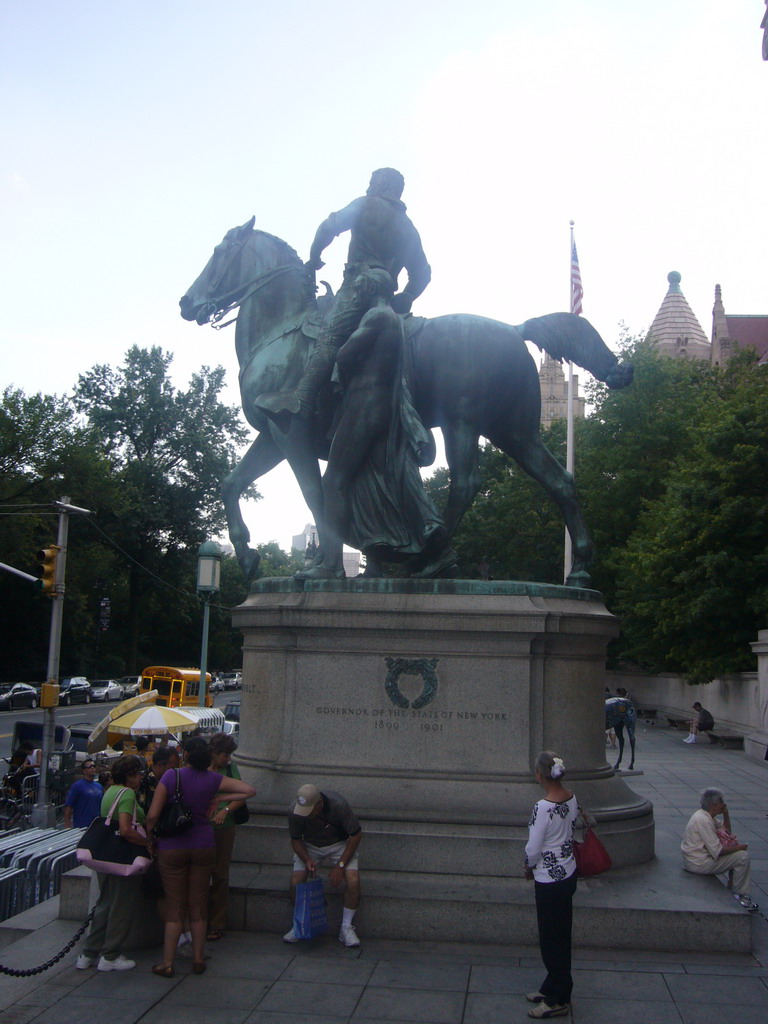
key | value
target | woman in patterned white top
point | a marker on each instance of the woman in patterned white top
(549, 862)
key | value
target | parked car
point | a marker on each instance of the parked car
(232, 711)
(106, 689)
(130, 685)
(74, 690)
(232, 680)
(18, 695)
(232, 729)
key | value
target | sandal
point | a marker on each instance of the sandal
(199, 967)
(214, 935)
(163, 972)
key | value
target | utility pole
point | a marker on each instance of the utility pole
(43, 813)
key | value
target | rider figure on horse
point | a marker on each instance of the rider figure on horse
(383, 237)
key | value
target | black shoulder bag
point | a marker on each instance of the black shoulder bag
(175, 818)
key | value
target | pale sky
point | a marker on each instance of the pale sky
(135, 135)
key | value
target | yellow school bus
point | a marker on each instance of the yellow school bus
(177, 687)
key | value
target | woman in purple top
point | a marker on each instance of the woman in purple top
(186, 860)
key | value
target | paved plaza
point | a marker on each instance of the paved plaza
(256, 979)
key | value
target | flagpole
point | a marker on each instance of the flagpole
(568, 554)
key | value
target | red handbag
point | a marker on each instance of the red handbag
(590, 855)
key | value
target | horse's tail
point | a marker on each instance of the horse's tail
(571, 337)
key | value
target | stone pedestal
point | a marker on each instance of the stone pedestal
(424, 703)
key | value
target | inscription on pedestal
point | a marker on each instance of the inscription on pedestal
(416, 720)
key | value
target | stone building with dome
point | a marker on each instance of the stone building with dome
(676, 332)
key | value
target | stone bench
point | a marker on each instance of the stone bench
(732, 740)
(649, 714)
(678, 723)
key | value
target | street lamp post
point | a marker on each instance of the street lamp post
(208, 582)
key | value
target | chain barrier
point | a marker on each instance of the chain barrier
(15, 972)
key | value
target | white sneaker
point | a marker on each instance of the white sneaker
(689, 739)
(290, 936)
(348, 936)
(120, 963)
(84, 962)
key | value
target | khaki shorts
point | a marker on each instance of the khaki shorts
(328, 856)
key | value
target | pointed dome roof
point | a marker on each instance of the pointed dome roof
(675, 330)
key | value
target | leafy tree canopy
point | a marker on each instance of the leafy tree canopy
(672, 474)
(512, 524)
(147, 457)
(692, 581)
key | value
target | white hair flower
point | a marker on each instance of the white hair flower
(558, 767)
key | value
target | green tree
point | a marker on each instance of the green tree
(512, 523)
(225, 644)
(45, 452)
(276, 562)
(168, 449)
(692, 581)
(626, 448)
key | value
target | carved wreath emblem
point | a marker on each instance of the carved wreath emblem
(424, 667)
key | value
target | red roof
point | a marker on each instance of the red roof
(749, 331)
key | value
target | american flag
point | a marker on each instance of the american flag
(577, 292)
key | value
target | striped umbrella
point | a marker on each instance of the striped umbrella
(99, 735)
(158, 720)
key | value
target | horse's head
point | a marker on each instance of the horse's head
(250, 266)
(222, 277)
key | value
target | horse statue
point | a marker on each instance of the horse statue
(472, 377)
(620, 712)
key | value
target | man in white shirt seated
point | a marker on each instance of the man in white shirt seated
(703, 850)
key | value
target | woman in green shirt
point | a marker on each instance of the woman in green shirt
(222, 747)
(118, 896)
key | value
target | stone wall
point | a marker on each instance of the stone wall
(739, 703)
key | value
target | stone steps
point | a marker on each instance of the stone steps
(655, 907)
(622, 910)
(434, 848)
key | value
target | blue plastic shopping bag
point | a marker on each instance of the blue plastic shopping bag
(310, 917)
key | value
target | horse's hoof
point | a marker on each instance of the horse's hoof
(319, 572)
(580, 579)
(445, 561)
(249, 563)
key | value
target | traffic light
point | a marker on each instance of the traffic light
(47, 558)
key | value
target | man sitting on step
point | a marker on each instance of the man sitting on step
(710, 849)
(324, 830)
(703, 722)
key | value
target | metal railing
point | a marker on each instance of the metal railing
(31, 865)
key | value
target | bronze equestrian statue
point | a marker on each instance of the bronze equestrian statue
(469, 376)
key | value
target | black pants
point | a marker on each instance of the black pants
(554, 910)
